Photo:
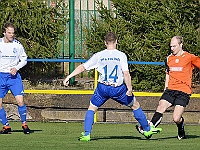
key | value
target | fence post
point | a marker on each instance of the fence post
(95, 85)
(71, 39)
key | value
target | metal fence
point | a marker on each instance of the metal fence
(83, 12)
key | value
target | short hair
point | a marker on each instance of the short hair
(179, 39)
(6, 25)
(110, 37)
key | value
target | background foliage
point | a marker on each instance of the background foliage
(38, 27)
(144, 29)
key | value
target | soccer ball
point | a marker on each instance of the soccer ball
(140, 129)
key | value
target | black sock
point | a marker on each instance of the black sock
(180, 125)
(156, 119)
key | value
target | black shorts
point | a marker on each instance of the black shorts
(176, 97)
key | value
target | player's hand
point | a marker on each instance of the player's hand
(13, 71)
(66, 81)
(129, 93)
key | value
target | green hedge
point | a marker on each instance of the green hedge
(39, 28)
(144, 29)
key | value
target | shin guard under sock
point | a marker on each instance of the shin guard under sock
(141, 118)
(22, 113)
(156, 119)
(3, 118)
(181, 125)
(88, 122)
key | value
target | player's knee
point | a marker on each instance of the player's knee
(20, 100)
(176, 119)
(163, 105)
(1, 104)
(20, 103)
(161, 108)
(135, 105)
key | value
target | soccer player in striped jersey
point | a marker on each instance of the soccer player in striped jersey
(177, 91)
(113, 71)
(12, 58)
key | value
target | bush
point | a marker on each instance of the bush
(144, 30)
(39, 28)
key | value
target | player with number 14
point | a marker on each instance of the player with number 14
(114, 82)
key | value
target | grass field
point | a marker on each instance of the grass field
(59, 136)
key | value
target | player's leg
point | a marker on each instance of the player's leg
(138, 113)
(89, 119)
(22, 112)
(3, 91)
(119, 95)
(162, 107)
(96, 101)
(88, 123)
(180, 103)
(166, 100)
(179, 120)
(148, 129)
(17, 89)
(157, 117)
(6, 126)
(21, 108)
(140, 116)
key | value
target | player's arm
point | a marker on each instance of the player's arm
(128, 82)
(196, 61)
(90, 64)
(127, 76)
(78, 70)
(166, 81)
(167, 75)
(22, 58)
(22, 61)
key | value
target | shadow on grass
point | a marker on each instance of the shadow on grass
(32, 131)
(143, 138)
(187, 137)
(192, 136)
(117, 137)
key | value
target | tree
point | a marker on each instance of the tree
(38, 27)
(144, 29)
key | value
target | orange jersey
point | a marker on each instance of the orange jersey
(180, 69)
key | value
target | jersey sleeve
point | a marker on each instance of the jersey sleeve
(195, 60)
(22, 58)
(91, 63)
(124, 63)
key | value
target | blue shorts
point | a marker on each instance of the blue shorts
(12, 83)
(118, 94)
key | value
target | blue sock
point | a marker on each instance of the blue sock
(88, 122)
(22, 113)
(3, 118)
(141, 118)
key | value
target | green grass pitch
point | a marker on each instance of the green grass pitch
(108, 136)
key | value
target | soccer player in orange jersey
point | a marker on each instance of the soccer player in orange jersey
(178, 89)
